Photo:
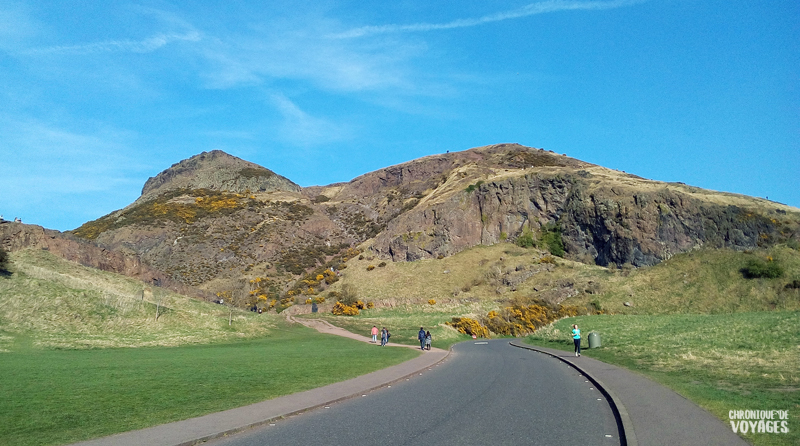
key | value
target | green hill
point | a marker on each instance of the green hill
(52, 303)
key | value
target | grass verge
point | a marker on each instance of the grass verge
(722, 362)
(53, 397)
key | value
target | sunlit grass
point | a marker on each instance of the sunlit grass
(720, 361)
(62, 396)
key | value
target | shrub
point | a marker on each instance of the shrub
(381, 265)
(526, 239)
(341, 309)
(3, 261)
(348, 296)
(551, 239)
(432, 302)
(469, 326)
(472, 187)
(370, 268)
(758, 268)
(520, 320)
(319, 300)
(548, 259)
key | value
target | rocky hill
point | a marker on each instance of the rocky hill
(216, 170)
(224, 225)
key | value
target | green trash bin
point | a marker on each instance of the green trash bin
(594, 340)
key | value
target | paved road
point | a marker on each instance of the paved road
(486, 393)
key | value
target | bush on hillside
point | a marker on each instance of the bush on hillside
(469, 326)
(758, 268)
(551, 239)
(521, 320)
(3, 262)
(341, 309)
(526, 240)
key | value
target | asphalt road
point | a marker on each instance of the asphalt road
(486, 393)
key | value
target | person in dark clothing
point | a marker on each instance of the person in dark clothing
(428, 340)
(421, 337)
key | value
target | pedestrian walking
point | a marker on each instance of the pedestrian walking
(421, 337)
(428, 340)
(576, 338)
(384, 336)
(374, 334)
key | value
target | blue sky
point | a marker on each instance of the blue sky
(95, 97)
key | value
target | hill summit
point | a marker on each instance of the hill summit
(216, 170)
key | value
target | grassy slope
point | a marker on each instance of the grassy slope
(57, 304)
(65, 381)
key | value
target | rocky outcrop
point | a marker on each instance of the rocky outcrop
(597, 223)
(216, 170)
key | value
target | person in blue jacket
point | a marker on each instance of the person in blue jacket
(576, 338)
(421, 337)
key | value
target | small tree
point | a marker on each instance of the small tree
(4, 262)
(349, 295)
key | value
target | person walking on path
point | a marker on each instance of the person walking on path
(374, 334)
(428, 340)
(384, 336)
(421, 337)
(576, 338)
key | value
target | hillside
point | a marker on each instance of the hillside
(216, 222)
(53, 303)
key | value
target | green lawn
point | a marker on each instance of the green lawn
(63, 396)
(721, 362)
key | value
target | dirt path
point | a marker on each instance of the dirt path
(328, 328)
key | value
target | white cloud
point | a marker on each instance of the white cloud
(298, 128)
(52, 158)
(525, 11)
(134, 46)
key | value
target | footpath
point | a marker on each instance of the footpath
(216, 425)
(650, 414)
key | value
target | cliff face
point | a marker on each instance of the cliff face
(603, 217)
(215, 221)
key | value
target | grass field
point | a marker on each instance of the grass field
(721, 362)
(53, 397)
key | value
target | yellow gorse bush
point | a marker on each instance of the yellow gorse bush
(341, 309)
(469, 326)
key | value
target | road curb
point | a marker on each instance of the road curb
(624, 423)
